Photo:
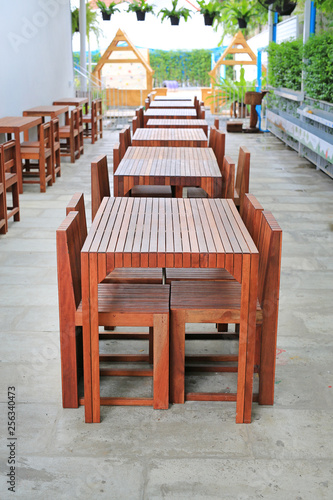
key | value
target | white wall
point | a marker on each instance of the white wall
(35, 54)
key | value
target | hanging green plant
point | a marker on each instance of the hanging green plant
(141, 8)
(175, 14)
(210, 10)
(107, 11)
(242, 14)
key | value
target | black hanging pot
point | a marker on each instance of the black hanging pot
(140, 15)
(209, 19)
(284, 7)
(174, 20)
(105, 16)
(241, 22)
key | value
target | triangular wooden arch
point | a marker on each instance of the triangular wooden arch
(233, 48)
(136, 57)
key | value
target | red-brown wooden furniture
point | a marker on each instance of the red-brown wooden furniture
(11, 180)
(146, 232)
(118, 304)
(183, 114)
(174, 123)
(3, 203)
(41, 170)
(219, 302)
(242, 176)
(70, 142)
(176, 167)
(170, 137)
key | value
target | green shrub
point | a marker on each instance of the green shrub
(318, 67)
(191, 67)
(285, 64)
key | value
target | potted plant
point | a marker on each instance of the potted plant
(140, 7)
(175, 14)
(210, 10)
(240, 11)
(107, 11)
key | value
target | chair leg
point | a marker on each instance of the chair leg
(177, 357)
(161, 362)
(70, 348)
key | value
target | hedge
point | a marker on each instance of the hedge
(285, 65)
(190, 67)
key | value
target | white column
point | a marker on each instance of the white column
(307, 18)
(270, 24)
(83, 32)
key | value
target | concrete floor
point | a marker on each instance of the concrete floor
(194, 450)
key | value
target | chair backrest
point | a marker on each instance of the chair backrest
(76, 204)
(228, 178)
(73, 122)
(212, 136)
(219, 147)
(99, 107)
(139, 113)
(9, 157)
(251, 214)
(100, 185)
(135, 122)
(116, 156)
(55, 129)
(69, 266)
(79, 116)
(217, 123)
(147, 104)
(124, 140)
(3, 204)
(243, 173)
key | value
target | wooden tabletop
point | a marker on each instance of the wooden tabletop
(176, 137)
(168, 98)
(71, 101)
(177, 123)
(171, 104)
(52, 111)
(170, 113)
(15, 124)
(180, 167)
(167, 232)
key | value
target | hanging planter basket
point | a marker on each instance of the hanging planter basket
(241, 22)
(105, 16)
(174, 20)
(284, 7)
(140, 15)
(208, 19)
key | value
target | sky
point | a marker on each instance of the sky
(153, 34)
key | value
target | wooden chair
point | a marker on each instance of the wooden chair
(40, 172)
(11, 180)
(147, 103)
(3, 202)
(90, 123)
(139, 112)
(122, 305)
(228, 178)
(69, 137)
(135, 122)
(99, 117)
(139, 191)
(55, 146)
(242, 176)
(80, 130)
(216, 123)
(226, 297)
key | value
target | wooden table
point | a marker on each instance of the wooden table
(172, 104)
(15, 125)
(168, 232)
(51, 111)
(175, 123)
(73, 101)
(171, 137)
(185, 114)
(168, 98)
(176, 167)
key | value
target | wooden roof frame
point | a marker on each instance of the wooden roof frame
(233, 48)
(113, 47)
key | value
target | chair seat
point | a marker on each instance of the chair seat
(135, 275)
(196, 192)
(139, 299)
(64, 132)
(195, 274)
(209, 295)
(152, 191)
(30, 144)
(33, 153)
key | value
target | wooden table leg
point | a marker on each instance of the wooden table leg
(19, 162)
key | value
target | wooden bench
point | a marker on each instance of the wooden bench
(11, 180)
